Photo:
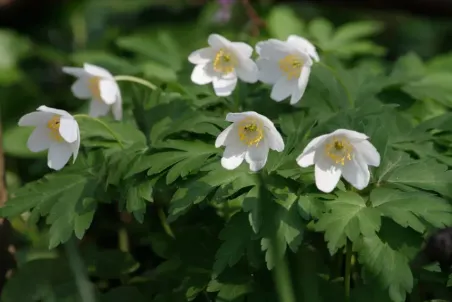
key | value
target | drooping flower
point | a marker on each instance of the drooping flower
(249, 137)
(222, 63)
(342, 152)
(286, 65)
(98, 84)
(57, 131)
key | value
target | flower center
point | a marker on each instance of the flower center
(54, 126)
(93, 85)
(224, 62)
(291, 65)
(251, 131)
(339, 150)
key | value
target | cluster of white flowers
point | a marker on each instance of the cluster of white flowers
(284, 64)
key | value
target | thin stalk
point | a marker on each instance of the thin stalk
(104, 125)
(123, 239)
(164, 222)
(282, 279)
(348, 269)
(133, 79)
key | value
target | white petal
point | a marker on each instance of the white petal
(224, 86)
(298, 92)
(326, 175)
(256, 156)
(282, 89)
(356, 172)
(269, 71)
(304, 45)
(75, 71)
(368, 152)
(306, 158)
(59, 154)
(236, 117)
(352, 135)
(75, 146)
(108, 91)
(272, 49)
(218, 41)
(273, 137)
(97, 71)
(117, 107)
(39, 139)
(233, 156)
(54, 111)
(247, 71)
(221, 139)
(80, 88)
(200, 75)
(243, 48)
(35, 119)
(201, 56)
(98, 108)
(68, 129)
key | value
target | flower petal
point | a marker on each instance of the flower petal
(352, 135)
(75, 146)
(306, 158)
(217, 41)
(74, 71)
(117, 107)
(247, 71)
(68, 129)
(224, 86)
(222, 137)
(256, 156)
(200, 75)
(35, 119)
(39, 139)
(269, 71)
(368, 152)
(80, 88)
(298, 92)
(54, 111)
(272, 49)
(59, 154)
(282, 89)
(243, 48)
(356, 172)
(98, 108)
(326, 175)
(233, 156)
(304, 45)
(108, 90)
(201, 56)
(97, 71)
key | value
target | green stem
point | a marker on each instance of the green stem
(123, 240)
(282, 278)
(104, 125)
(135, 80)
(348, 269)
(350, 100)
(164, 223)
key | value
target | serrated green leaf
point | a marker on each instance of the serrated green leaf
(410, 208)
(434, 86)
(408, 68)
(138, 196)
(347, 217)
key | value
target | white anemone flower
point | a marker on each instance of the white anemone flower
(286, 65)
(249, 137)
(98, 84)
(342, 152)
(57, 131)
(222, 63)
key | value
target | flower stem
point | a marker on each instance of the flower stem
(164, 223)
(135, 80)
(348, 269)
(350, 100)
(104, 125)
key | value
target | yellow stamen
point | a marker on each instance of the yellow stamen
(339, 150)
(224, 62)
(54, 126)
(93, 85)
(291, 65)
(251, 131)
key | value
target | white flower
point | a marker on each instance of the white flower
(222, 63)
(342, 152)
(99, 85)
(249, 137)
(286, 65)
(57, 131)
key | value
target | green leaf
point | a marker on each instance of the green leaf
(411, 208)
(390, 266)
(408, 68)
(137, 198)
(321, 30)
(282, 22)
(356, 30)
(109, 263)
(123, 294)
(347, 216)
(434, 86)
